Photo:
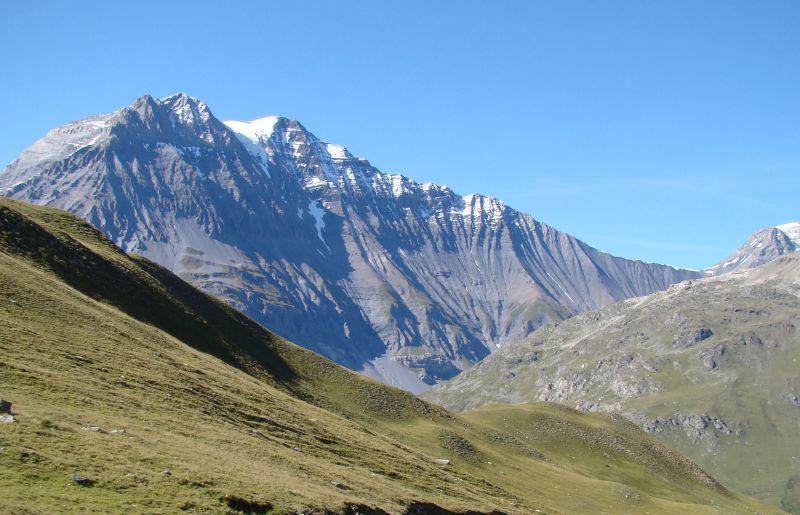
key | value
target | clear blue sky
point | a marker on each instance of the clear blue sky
(664, 131)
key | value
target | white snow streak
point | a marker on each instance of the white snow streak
(319, 221)
(561, 287)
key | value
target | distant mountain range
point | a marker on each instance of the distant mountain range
(710, 367)
(409, 283)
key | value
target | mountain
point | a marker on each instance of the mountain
(127, 390)
(407, 282)
(709, 367)
(762, 247)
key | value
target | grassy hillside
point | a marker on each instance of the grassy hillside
(170, 401)
(709, 367)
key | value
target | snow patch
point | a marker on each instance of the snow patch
(477, 206)
(731, 262)
(467, 209)
(18, 185)
(254, 135)
(315, 182)
(81, 145)
(792, 230)
(337, 152)
(256, 131)
(396, 184)
(319, 221)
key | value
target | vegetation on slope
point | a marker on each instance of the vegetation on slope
(133, 392)
(708, 367)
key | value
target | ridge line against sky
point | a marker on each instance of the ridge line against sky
(661, 132)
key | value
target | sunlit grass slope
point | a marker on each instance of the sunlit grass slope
(169, 400)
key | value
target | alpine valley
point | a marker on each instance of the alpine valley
(710, 367)
(136, 370)
(409, 283)
(126, 390)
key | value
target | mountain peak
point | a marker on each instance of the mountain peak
(178, 99)
(290, 135)
(186, 110)
(143, 101)
(761, 247)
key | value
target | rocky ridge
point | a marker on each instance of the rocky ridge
(407, 282)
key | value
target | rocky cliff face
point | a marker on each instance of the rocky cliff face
(709, 367)
(407, 282)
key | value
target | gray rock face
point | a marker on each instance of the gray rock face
(694, 425)
(407, 282)
(762, 247)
